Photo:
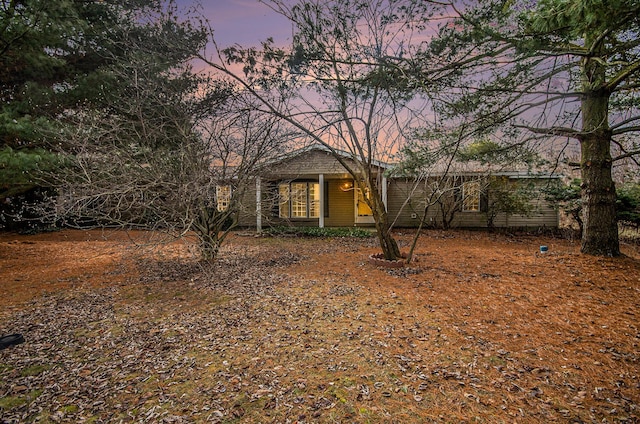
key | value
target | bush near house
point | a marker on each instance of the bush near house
(320, 232)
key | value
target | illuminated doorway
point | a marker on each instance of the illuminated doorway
(363, 211)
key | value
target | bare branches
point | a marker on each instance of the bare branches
(552, 131)
(339, 84)
(623, 75)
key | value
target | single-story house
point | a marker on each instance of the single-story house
(309, 187)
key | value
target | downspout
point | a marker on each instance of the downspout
(258, 205)
(322, 199)
(384, 193)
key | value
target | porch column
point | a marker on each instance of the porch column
(384, 192)
(258, 206)
(322, 197)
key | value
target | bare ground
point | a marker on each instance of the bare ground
(481, 328)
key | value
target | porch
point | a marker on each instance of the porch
(321, 200)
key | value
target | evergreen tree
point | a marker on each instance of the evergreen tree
(554, 69)
(57, 60)
(65, 69)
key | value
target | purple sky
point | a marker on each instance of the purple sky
(244, 22)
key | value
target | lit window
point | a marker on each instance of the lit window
(299, 200)
(471, 196)
(223, 197)
(314, 200)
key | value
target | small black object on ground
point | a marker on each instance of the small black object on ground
(10, 340)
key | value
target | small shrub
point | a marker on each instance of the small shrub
(320, 232)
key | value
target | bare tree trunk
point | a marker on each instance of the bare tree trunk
(388, 244)
(208, 241)
(209, 245)
(414, 242)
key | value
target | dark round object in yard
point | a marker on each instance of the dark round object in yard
(10, 340)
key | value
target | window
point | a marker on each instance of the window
(471, 196)
(223, 197)
(299, 200)
(314, 200)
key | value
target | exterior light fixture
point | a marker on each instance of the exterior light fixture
(346, 186)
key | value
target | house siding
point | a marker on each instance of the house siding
(341, 205)
(542, 215)
(469, 220)
(308, 165)
(399, 208)
(247, 215)
(405, 204)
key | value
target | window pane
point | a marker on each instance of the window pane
(471, 196)
(314, 200)
(223, 197)
(283, 200)
(298, 200)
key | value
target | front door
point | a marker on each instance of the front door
(363, 211)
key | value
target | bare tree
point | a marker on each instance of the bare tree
(176, 154)
(339, 83)
(238, 142)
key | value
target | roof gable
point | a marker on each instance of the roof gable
(313, 160)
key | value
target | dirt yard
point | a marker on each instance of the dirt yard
(481, 328)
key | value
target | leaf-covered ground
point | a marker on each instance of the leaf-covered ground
(481, 328)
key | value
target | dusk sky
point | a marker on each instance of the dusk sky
(244, 22)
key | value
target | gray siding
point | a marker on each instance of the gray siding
(405, 202)
(311, 163)
(401, 210)
(247, 216)
(542, 215)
